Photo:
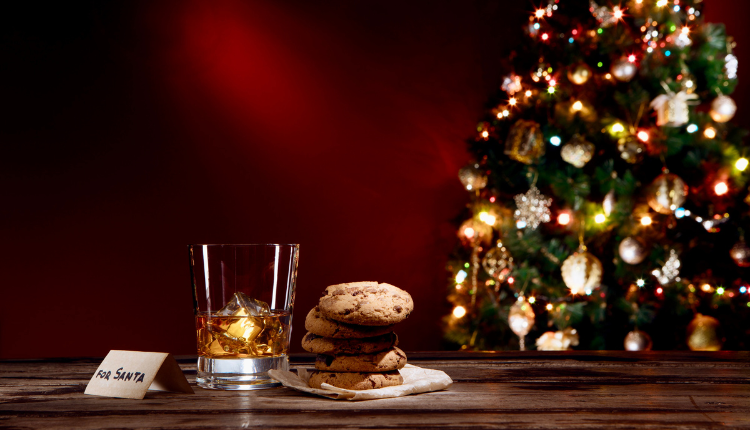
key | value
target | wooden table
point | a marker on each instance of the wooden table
(494, 390)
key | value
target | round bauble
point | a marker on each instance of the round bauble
(581, 272)
(637, 340)
(632, 251)
(472, 177)
(740, 253)
(578, 151)
(579, 74)
(525, 142)
(623, 70)
(474, 232)
(703, 334)
(521, 317)
(631, 149)
(498, 262)
(667, 193)
(723, 109)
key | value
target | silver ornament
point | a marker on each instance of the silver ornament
(609, 202)
(521, 317)
(667, 193)
(632, 251)
(637, 340)
(631, 149)
(581, 272)
(623, 70)
(670, 271)
(532, 208)
(730, 65)
(472, 177)
(498, 262)
(740, 253)
(578, 151)
(604, 15)
(723, 109)
(673, 109)
(560, 340)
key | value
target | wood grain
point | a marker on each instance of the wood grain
(566, 390)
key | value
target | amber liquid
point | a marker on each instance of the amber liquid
(243, 336)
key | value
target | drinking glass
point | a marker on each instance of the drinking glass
(243, 297)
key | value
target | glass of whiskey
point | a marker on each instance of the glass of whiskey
(243, 297)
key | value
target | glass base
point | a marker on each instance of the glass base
(239, 373)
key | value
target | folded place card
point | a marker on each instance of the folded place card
(130, 374)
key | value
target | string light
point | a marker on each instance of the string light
(631, 58)
(487, 218)
(743, 289)
(640, 283)
(643, 136)
(617, 12)
(646, 220)
(721, 188)
(661, 3)
(659, 290)
(692, 128)
(741, 164)
(459, 311)
(469, 232)
(485, 134)
(563, 218)
(555, 140)
(461, 276)
(512, 101)
(608, 76)
(706, 288)
(545, 36)
(549, 306)
(539, 13)
(710, 132)
(511, 280)
(577, 106)
(600, 218)
(617, 127)
(532, 300)
(551, 90)
(720, 291)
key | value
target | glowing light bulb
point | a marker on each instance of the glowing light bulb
(528, 93)
(511, 280)
(545, 36)
(640, 282)
(499, 114)
(577, 106)
(743, 289)
(461, 276)
(600, 218)
(661, 3)
(512, 101)
(741, 164)
(721, 188)
(706, 288)
(617, 12)
(720, 291)
(692, 128)
(532, 300)
(459, 311)
(555, 140)
(551, 90)
(549, 306)
(685, 30)
(492, 199)
(608, 76)
(631, 58)
(552, 83)
(710, 132)
(469, 232)
(659, 290)
(487, 218)
(563, 218)
(646, 220)
(539, 13)
(617, 128)
(643, 136)
(506, 113)
(485, 134)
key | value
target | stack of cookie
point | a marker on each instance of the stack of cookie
(351, 330)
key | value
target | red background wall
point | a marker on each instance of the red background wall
(132, 129)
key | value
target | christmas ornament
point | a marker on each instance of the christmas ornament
(472, 177)
(609, 203)
(604, 15)
(511, 84)
(581, 272)
(557, 340)
(578, 151)
(723, 109)
(623, 70)
(667, 193)
(637, 340)
(532, 208)
(683, 40)
(670, 270)
(579, 74)
(525, 142)
(687, 82)
(702, 334)
(521, 319)
(631, 149)
(498, 262)
(474, 232)
(632, 250)
(740, 253)
(567, 111)
(730, 65)
(672, 108)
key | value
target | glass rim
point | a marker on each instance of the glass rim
(244, 244)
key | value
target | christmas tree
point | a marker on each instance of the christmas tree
(608, 192)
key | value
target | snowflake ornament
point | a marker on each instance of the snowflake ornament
(670, 271)
(532, 208)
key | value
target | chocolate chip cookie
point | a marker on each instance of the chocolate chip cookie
(356, 380)
(366, 303)
(330, 346)
(317, 324)
(383, 361)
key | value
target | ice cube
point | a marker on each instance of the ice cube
(241, 305)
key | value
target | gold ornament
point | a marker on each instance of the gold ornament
(623, 70)
(740, 253)
(557, 340)
(579, 74)
(578, 151)
(498, 262)
(568, 110)
(581, 272)
(473, 231)
(609, 202)
(525, 142)
(632, 250)
(637, 340)
(667, 193)
(723, 109)
(672, 109)
(631, 149)
(702, 334)
(521, 319)
(472, 177)
(532, 208)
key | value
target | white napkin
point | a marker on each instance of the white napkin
(416, 380)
